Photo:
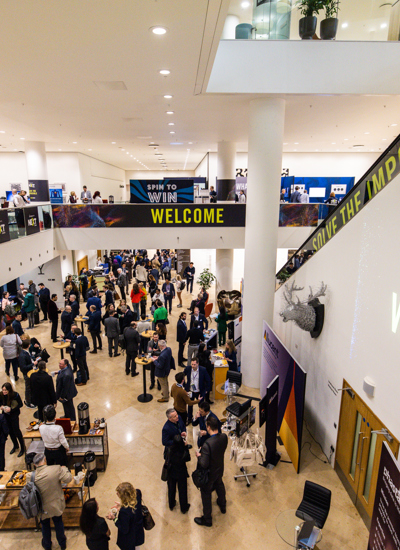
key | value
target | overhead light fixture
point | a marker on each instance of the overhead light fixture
(2, 132)
(165, 72)
(172, 132)
(296, 142)
(60, 149)
(384, 25)
(158, 30)
(122, 149)
(384, 139)
(171, 123)
(366, 133)
(113, 142)
(333, 142)
(169, 112)
(24, 138)
(346, 139)
(245, 5)
(168, 96)
(89, 149)
(390, 125)
(345, 25)
(190, 142)
(285, 144)
(74, 142)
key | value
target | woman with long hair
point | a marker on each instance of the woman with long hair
(128, 518)
(10, 405)
(221, 321)
(93, 526)
(161, 330)
(152, 285)
(97, 198)
(204, 357)
(230, 355)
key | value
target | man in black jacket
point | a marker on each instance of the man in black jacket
(53, 312)
(81, 345)
(189, 276)
(44, 299)
(66, 389)
(121, 282)
(16, 325)
(74, 306)
(26, 364)
(195, 336)
(112, 327)
(42, 388)
(197, 316)
(132, 341)
(94, 323)
(181, 331)
(162, 365)
(212, 458)
(66, 320)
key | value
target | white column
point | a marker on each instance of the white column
(267, 118)
(226, 160)
(229, 29)
(35, 155)
(224, 269)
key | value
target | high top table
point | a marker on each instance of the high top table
(144, 397)
(61, 346)
(288, 526)
(81, 319)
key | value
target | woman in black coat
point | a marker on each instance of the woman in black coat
(128, 517)
(178, 474)
(4, 431)
(205, 361)
(94, 527)
(10, 405)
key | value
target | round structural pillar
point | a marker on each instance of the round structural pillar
(36, 163)
(226, 171)
(224, 269)
(266, 127)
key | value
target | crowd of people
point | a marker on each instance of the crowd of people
(138, 295)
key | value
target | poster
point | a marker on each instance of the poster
(385, 523)
(56, 196)
(167, 191)
(31, 216)
(4, 229)
(271, 418)
(130, 215)
(183, 259)
(276, 360)
(38, 190)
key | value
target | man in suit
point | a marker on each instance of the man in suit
(20, 293)
(53, 312)
(94, 327)
(94, 300)
(42, 389)
(194, 336)
(86, 196)
(181, 331)
(71, 337)
(296, 195)
(85, 283)
(199, 302)
(198, 382)
(16, 325)
(211, 458)
(81, 345)
(74, 306)
(66, 320)
(200, 420)
(26, 364)
(162, 366)
(121, 282)
(49, 481)
(197, 316)
(132, 341)
(168, 290)
(173, 426)
(127, 317)
(189, 276)
(44, 298)
(66, 389)
(111, 325)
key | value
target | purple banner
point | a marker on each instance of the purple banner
(298, 215)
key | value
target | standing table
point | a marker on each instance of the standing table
(61, 346)
(144, 397)
(81, 319)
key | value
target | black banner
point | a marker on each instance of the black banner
(31, 216)
(166, 191)
(385, 524)
(271, 418)
(39, 190)
(4, 229)
(130, 215)
(226, 189)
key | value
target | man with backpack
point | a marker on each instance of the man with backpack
(48, 482)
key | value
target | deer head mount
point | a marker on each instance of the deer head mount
(308, 313)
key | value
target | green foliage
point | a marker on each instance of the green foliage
(206, 278)
(310, 7)
(331, 8)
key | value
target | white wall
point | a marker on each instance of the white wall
(52, 278)
(206, 258)
(103, 177)
(202, 168)
(360, 267)
(12, 170)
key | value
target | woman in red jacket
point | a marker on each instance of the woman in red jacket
(136, 296)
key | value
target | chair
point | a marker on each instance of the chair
(207, 310)
(316, 504)
(234, 377)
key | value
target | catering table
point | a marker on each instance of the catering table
(79, 444)
(61, 346)
(144, 397)
(10, 514)
(288, 526)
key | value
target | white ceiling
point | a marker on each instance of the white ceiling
(53, 52)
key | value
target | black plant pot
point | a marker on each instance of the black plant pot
(328, 28)
(307, 27)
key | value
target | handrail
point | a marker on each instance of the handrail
(381, 173)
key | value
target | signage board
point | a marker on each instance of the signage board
(39, 190)
(4, 228)
(31, 216)
(167, 191)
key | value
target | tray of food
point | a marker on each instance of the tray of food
(18, 479)
(33, 426)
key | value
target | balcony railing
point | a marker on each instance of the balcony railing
(16, 223)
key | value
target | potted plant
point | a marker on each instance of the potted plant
(206, 279)
(329, 25)
(308, 23)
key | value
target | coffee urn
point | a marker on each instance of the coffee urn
(83, 418)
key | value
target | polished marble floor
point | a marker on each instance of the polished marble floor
(136, 456)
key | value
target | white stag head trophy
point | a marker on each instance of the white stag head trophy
(301, 312)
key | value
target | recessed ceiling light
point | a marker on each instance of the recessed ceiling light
(296, 142)
(295, 150)
(15, 149)
(113, 142)
(168, 96)
(74, 142)
(60, 149)
(366, 133)
(122, 149)
(2, 132)
(165, 71)
(190, 142)
(346, 139)
(24, 138)
(333, 142)
(285, 144)
(316, 150)
(169, 112)
(127, 152)
(89, 149)
(390, 125)
(384, 25)
(245, 5)
(158, 30)
(384, 139)
(171, 123)
(345, 25)
(172, 132)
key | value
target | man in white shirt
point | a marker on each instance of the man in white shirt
(304, 197)
(143, 326)
(55, 444)
(17, 199)
(86, 196)
(242, 197)
(158, 296)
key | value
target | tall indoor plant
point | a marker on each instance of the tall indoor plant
(329, 25)
(308, 23)
(206, 279)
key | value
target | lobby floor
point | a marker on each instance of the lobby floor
(136, 456)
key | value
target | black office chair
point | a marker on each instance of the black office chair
(316, 504)
(234, 377)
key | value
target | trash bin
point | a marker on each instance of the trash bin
(90, 465)
(83, 418)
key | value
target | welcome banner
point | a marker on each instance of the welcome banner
(276, 360)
